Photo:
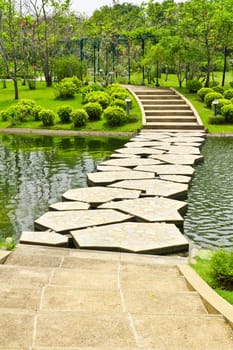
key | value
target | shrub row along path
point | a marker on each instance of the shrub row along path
(107, 294)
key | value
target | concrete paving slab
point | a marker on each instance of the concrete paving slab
(168, 169)
(176, 178)
(110, 168)
(16, 328)
(46, 251)
(97, 195)
(74, 328)
(149, 209)
(24, 276)
(18, 297)
(108, 177)
(137, 144)
(74, 299)
(155, 187)
(184, 332)
(177, 138)
(3, 255)
(74, 205)
(47, 238)
(37, 260)
(139, 151)
(104, 263)
(131, 162)
(64, 222)
(158, 238)
(152, 136)
(183, 150)
(180, 159)
(166, 303)
(121, 155)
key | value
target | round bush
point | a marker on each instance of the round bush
(79, 117)
(118, 102)
(202, 92)
(227, 112)
(231, 84)
(47, 117)
(35, 112)
(219, 89)
(115, 116)
(64, 113)
(119, 94)
(221, 264)
(4, 116)
(65, 89)
(90, 88)
(222, 102)
(228, 94)
(98, 96)
(114, 87)
(210, 97)
(193, 85)
(94, 110)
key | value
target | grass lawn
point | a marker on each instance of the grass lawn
(45, 97)
(202, 267)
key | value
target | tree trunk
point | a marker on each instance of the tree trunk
(224, 66)
(16, 88)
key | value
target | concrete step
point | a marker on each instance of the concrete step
(166, 107)
(171, 125)
(165, 101)
(154, 92)
(170, 118)
(159, 97)
(168, 112)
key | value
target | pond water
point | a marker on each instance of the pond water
(36, 170)
(209, 220)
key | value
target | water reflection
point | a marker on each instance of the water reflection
(36, 170)
(209, 220)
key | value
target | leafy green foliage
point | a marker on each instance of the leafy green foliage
(219, 89)
(68, 66)
(227, 112)
(64, 113)
(118, 102)
(47, 117)
(94, 110)
(217, 120)
(79, 117)
(222, 102)
(210, 97)
(204, 91)
(8, 243)
(115, 116)
(228, 94)
(98, 96)
(222, 266)
(213, 84)
(193, 85)
(65, 89)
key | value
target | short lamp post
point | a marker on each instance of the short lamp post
(215, 104)
(111, 75)
(128, 105)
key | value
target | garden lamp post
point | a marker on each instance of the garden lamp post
(157, 74)
(128, 105)
(215, 104)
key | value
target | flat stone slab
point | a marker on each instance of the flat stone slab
(111, 168)
(138, 144)
(133, 237)
(108, 177)
(63, 206)
(187, 138)
(184, 150)
(97, 195)
(156, 187)
(121, 155)
(139, 151)
(180, 159)
(168, 169)
(151, 136)
(63, 222)
(44, 238)
(176, 178)
(130, 162)
(149, 209)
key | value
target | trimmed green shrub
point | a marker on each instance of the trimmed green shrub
(65, 89)
(119, 94)
(210, 97)
(4, 116)
(77, 82)
(193, 85)
(47, 117)
(202, 92)
(12, 114)
(227, 112)
(222, 267)
(115, 87)
(228, 94)
(24, 109)
(79, 117)
(68, 66)
(98, 96)
(115, 116)
(222, 102)
(213, 84)
(35, 112)
(219, 89)
(90, 88)
(64, 113)
(94, 110)
(118, 102)
(231, 84)
(217, 120)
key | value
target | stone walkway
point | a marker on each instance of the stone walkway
(73, 299)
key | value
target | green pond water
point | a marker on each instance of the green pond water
(36, 170)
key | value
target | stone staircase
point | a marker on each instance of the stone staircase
(166, 109)
(54, 298)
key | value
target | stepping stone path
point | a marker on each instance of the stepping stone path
(135, 201)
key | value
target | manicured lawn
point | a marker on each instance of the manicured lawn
(45, 97)
(202, 267)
